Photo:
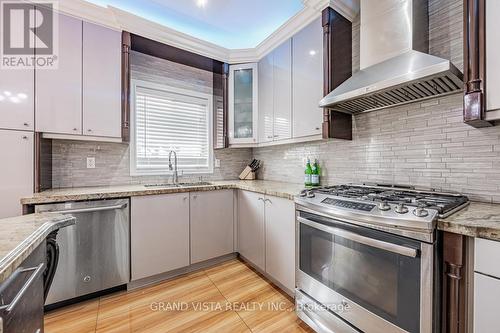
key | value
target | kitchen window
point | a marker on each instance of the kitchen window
(165, 118)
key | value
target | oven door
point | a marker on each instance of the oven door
(382, 282)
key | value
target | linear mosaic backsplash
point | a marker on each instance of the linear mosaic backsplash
(424, 143)
(69, 166)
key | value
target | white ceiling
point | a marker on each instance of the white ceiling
(233, 24)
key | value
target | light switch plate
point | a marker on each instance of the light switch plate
(217, 163)
(90, 162)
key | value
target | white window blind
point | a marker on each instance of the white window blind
(167, 119)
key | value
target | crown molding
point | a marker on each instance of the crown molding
(89, 12)
(160, 33)
(122, 20)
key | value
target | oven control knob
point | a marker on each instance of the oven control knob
(420, 212)
(401, 208)
(384, 206)
(310, 194)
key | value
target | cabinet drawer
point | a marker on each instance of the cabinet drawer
(486, 296)
(486, 254)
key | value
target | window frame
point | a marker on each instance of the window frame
(134, 84)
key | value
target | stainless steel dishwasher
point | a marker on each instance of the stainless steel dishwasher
(94, 254)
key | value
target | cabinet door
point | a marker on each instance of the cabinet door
(243, 103)
(101, 81)
(211, 224)
(492, 55)
(307, 53)
(159, 234)
(283, 91)
(486, 296)
(17, 98)
(266, 99)
(251, 227)
(280, 241)
(59, 91)
(17, 170)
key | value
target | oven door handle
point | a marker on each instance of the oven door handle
(394, 248)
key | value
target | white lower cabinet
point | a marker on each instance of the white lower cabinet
(266, 235)
(212, 226)
(280, 240)
(251, 239)
(17, 170)
(486, 285)
(486, 296)
(159, 234)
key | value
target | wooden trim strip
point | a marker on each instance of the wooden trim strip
(171, 53)
(475, 64)
(126, 45)
(337, 67)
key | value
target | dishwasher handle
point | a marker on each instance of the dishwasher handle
(89, 210)
(36, 272)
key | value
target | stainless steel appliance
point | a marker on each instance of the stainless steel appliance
(395, 67)
(94, 254)
(367, 257)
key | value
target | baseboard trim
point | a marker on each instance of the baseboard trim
(146, 282)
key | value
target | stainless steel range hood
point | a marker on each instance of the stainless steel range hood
(394, 65)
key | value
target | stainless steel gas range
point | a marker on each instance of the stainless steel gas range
(367, 258)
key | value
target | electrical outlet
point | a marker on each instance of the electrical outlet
(217, 163)
(90, 162)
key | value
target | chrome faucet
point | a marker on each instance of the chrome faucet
(175, 175)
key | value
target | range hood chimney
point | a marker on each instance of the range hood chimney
(395, 67)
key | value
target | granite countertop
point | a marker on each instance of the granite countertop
(477, 220)
(20, 236)
(278, 189)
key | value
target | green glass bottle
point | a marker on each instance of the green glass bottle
(315, 174)
(308, 174)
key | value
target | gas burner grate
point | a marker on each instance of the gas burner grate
(442, 202)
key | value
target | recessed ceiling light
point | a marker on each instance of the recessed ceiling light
(312, 53)
(201, 3)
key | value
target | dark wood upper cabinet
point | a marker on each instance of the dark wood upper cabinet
(337, 67)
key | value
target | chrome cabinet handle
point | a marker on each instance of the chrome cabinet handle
(36, 272)
(88, 210)
(261, 199)
(267, 200)
(26, 124)
(394, 248)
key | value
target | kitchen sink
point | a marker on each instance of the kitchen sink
(170, 185)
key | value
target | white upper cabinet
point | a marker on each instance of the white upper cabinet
(101, 81)
(17, 99)
(307, 80)
(266, 98)
(282, 84)
(59, 91)
(492, 58)
(17, 170)
(243, 104)
(17, 95)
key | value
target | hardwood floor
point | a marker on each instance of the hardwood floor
(230, 297)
